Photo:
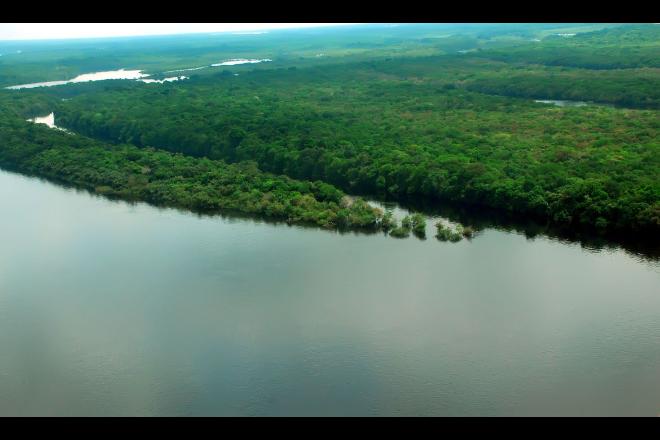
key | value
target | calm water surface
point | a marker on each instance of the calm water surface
(86, 77)
(238, 61)
(48, 120)
(108, 308)
(562, 103)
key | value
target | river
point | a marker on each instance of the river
(101, 76)
(111, 308)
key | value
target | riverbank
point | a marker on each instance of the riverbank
(175, 180)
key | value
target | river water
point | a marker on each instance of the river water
(110, 308)
(48, 120)
(562, 103)
(95, 76)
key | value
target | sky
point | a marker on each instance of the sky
(47, 31)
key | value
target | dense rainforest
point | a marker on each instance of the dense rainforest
(455, 120)
(166, 179)
(622, 47)
(587, 167)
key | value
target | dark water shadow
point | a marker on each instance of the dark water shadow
(480, 218)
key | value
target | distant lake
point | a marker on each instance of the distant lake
(164, 80)
(48, 120)
(186, 70)
(96, 76)
(235, 62)
(111, 308)
(562, 103)
(569, 103)
(231, 62)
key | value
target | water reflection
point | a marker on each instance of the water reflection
(110, 308)
(482, 218)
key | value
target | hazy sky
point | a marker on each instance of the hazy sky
(32, 31)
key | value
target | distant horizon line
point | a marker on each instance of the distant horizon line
(253, 28)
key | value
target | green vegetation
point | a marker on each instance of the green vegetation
(418, 224)
(468, 232)
(622, 87)
(167, 179)
(424, 113)
(446, 234)
(415, 223)
(35, 61)
(387, 222)
(400, 232)
(610, 48)
(590, 168)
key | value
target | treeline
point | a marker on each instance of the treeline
(613, 48)
(635, 88)
(627, 88)
(175, 180)
(586, 57)
(422, 127)
(587, 169)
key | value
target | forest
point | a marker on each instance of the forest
(451, 119)
(175, 180)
